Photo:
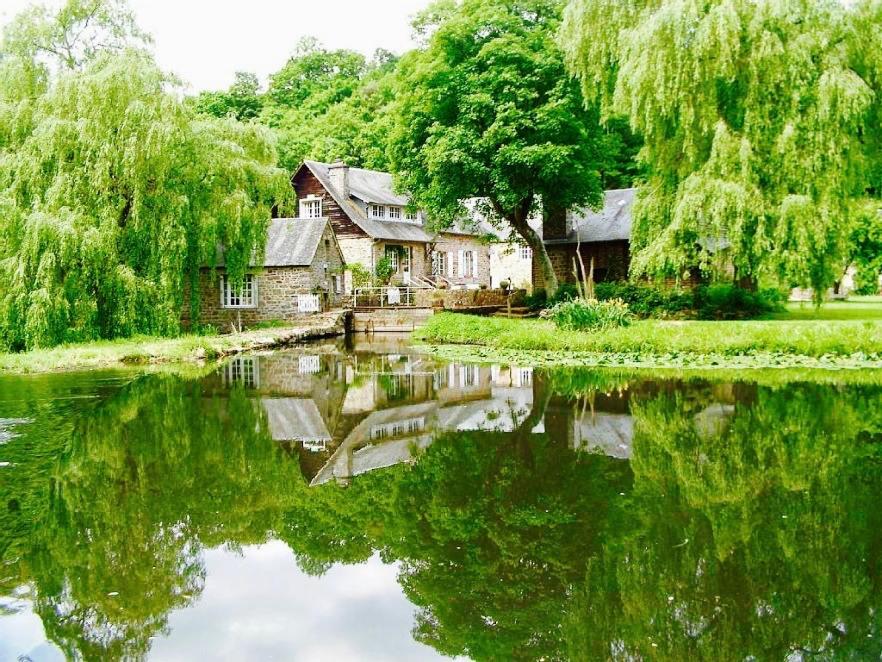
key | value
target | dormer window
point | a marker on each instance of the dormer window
(378, 211)
(311, 207)
(394, 213)
(411, 216)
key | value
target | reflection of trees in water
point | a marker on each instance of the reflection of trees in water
(743, 525)
(755, 537)
(138, 487)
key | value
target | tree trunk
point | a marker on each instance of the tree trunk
(535, 242)
(746, 282)
(519, 220)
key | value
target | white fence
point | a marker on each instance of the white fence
(308, 303)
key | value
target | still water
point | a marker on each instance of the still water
(371, 503)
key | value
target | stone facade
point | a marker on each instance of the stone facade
(359, 247)
(611, 261)
(277, 288)
(455, 245)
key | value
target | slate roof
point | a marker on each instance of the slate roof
(290, 242)
(293, 242)
(295, 419)
(373, 186)
(612, 223)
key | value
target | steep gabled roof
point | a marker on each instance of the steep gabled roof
(373, 186)
(293, 242)
(290, 242)
(295, 419)
(612, 223)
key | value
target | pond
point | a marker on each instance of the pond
(368, 502)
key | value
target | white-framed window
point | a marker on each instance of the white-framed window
(244, 297)
(338, 283)
(311, 207)
(526, 253)
(242, 371)
(468, 376)
(392, 254)
(378, 211)
(439, 263)
(394, 213)
(470, 268)
(411, 216)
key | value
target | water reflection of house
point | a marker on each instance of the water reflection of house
(382, 439)
(454, 397)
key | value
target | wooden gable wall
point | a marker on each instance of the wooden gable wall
(305, 183)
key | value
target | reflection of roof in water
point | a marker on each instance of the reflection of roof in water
(610, 434)
(295, 419)
(369, 452)
(503, 412)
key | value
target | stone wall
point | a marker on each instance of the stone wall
(276, 287)
(459, 298)
(390, 319)
(454, 243)
(359, 251)
(611, 261)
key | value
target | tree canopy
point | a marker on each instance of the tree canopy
(113, 193)
(330, 105)
(758, 118)
(488, 110)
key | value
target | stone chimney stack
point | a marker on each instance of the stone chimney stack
(338, 172)
(556, 223)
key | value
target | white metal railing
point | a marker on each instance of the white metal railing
(383, 297)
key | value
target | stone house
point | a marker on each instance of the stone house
(371, 221)
(604, 236)
(510, 257)
(301, 272)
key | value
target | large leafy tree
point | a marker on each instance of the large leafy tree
(330, 105)
(113, 193)
(242, 100)
(757, 117)
(488, 109)
(74, 33)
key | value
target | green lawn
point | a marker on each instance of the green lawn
(145, 349)
(857, 339)
(855, 308)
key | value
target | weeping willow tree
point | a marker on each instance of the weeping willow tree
(113, 193)
(757, 117)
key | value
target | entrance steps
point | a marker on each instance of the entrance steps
(517, 312)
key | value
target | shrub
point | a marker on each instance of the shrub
(539, 298)
(647, 300)
(579, 314)
(361, 276)
(724, 301)
(384, 270)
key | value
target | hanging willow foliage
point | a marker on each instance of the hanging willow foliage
(112, 194)
(757, 115)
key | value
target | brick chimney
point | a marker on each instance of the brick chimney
(338, 173)
(556, 223)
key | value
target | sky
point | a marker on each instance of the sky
(205, 42)
(258, 605)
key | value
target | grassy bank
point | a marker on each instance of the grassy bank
(855, 308)
(148, 350)
(653, 343)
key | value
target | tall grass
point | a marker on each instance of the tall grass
(807, 338)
